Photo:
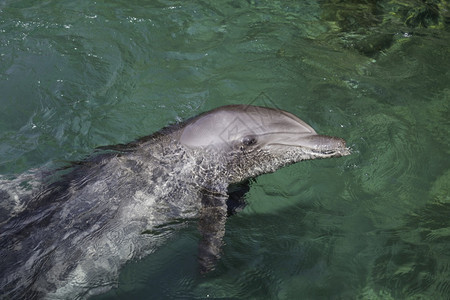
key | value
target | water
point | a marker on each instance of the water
(374, 225)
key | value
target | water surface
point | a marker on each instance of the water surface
(373, 225)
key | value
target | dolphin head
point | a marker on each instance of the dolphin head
(253, 140)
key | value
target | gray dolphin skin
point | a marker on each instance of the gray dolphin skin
(70, 236)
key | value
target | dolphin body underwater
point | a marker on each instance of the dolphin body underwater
(69, 238)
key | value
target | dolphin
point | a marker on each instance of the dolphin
(71, 235)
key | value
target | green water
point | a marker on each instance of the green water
(75, 75)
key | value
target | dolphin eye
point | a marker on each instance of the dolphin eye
(249, 140)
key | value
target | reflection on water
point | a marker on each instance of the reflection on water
(416, 255)
(374, 225)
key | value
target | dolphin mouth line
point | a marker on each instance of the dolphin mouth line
(343, 152)
(328, 152)
(331, 152)
(315, 150)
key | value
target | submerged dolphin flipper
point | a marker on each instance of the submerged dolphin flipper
(211, 225)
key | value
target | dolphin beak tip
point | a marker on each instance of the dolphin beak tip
(346, 151)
